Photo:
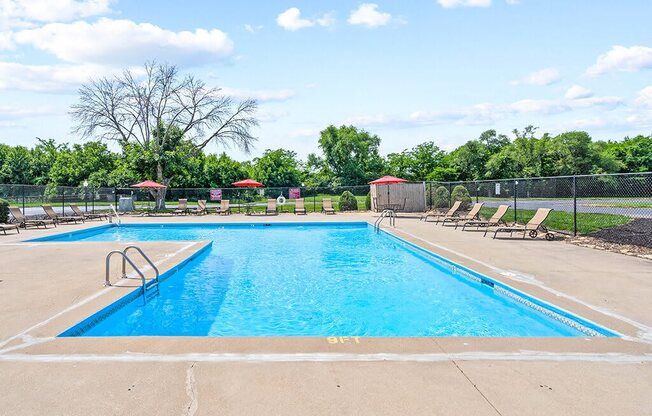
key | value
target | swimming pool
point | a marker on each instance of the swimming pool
(317, 279)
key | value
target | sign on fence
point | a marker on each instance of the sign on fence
(294, 193)
(497, 189)
(216, 194)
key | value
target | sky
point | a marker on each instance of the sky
(408, 71)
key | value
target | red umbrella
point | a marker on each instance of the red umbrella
(149, 185)
(387, 180)
(247, 183)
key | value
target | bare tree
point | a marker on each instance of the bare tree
(149, 110)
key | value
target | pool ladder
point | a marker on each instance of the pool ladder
(387, 213)
(150, 288)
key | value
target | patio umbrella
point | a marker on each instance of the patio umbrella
(148, 185)
(387, 180)
(247, 183)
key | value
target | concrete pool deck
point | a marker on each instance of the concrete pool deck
(47, 287)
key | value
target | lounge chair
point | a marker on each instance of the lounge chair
(327, 206)
(224, 207)
(5, 227)
(182, 208)
(271, 207)
(531, 228)
(494, 221)
(24, 222)
(451, 213)
(470, 216)
(201, 207)
(87, 215)
(58, 219)
(299, 206)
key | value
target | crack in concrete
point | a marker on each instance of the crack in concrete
(193, 404)
(475, 386)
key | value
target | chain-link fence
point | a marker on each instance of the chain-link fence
(249, 199)
(30, 198)
(581, 204)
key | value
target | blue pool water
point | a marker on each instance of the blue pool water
(311, 280)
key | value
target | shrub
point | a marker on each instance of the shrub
(460, 193)
(367, 201)
(4, 211)
(348, 202)
(441, 197)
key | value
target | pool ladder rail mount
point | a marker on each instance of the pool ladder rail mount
(387, 213)
(150, 288)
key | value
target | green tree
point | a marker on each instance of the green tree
(417, 163)
(315, 172)
(150, 113)
(634, 154)
(16, 166)
(221, 171)
(73, 166)
(277, 168)
(351, 154)
(42, 158)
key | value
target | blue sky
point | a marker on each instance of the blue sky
(409, 71)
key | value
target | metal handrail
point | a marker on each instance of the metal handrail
(125, 260)
(151, 264)
(387, 213)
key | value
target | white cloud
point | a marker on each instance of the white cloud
(368, 15)
(622, 59)
(542, 77)
(15, 113)
(47, 78)
(485, 113)
(644, 98)
(18, 13)
(260, 95)
(578, 91)
(252, 29)
(291, 20)
(6, 41)
(119, 42)
(449, 4)
(304, 133)
(268, 116)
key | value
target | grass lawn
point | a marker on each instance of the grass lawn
(563, 221)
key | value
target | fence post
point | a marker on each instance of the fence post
(515, 190)
(93, 200)
(450, 197)
(574, 205)
(63, 201)
(115, 198)
(477, 189)
(23, 189)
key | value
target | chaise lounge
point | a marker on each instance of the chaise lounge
(182, 208)
(271, 207)
(24, 222)
(494, 221)
(327, 206)
(86, 215)
(450, 214)
(201, 208)
(224, 207)
(299, 206)
(531, 228)
(58, 219)
(470, 216)
(5, 227)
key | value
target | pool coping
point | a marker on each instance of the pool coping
(576, 321)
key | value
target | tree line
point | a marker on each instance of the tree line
(347, 156)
